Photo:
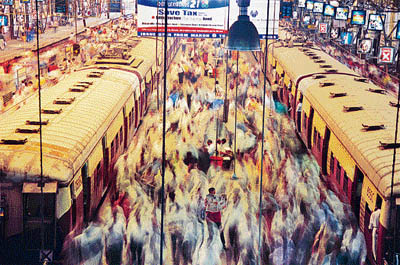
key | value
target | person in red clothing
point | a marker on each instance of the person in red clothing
(124, 202)
(214, 204)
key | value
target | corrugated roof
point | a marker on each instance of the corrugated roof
(363, 146)
(69, 136)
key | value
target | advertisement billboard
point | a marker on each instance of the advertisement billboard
(342, 13)
(302, 3)
(318, 7)
(310, 5)
(376, 22)
(329, 10)
(191, 19)
(364, 46)
(346, 38)
(358, 17)
(335, 33)
(257, 12)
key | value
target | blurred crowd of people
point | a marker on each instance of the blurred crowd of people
(302, 221)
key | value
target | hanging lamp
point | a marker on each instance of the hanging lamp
(243, 35)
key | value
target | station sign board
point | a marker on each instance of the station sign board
(257, 12)
(202, 19)
(386, 55)
(8, 2)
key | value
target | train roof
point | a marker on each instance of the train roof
(299, 61)
(361, 114)
(136, 54)
(76, 125)
(363, 118)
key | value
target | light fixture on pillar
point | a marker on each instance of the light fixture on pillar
(243, 35)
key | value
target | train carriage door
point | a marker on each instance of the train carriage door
(106, 161)
(298, 112)
(356, 189)
(325, 145)
(32, 215)
(86, 193)
(136, 112)
(309, 127)
(125, 134)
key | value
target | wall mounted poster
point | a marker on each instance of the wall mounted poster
(201, 19)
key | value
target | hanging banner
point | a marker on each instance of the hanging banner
(115, 6)
(191, 19)
(257, 12)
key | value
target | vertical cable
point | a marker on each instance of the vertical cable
(158, 75)
(237, 81)
(41, 184)
(394, 163)
(164, 128)
(215, 93)
(262, 137)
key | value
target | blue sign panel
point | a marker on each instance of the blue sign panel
(61, 6)
(115, 6)
(3, 20)
(8, 2)
(398, 30)
(286, 9)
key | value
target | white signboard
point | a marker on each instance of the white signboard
(186, 18)
(257, 12)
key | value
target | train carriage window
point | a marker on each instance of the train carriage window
(318, 141)
(345, 182)
(338, 171)
(116, 141)
(121, 138)
(112, 149)
(315, 136)
(332, 163)
(33, 202)
(304, 120)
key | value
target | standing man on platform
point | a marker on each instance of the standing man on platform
(374, 225)
(214, 204)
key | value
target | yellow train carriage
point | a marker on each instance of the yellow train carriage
(348, 124)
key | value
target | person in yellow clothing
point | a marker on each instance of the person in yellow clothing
(36, 82)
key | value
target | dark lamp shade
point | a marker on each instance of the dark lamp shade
(243, 35)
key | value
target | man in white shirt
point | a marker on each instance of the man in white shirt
(374, 225)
